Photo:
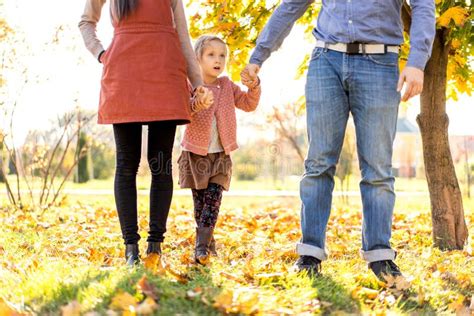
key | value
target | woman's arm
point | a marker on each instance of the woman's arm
(88, 24)
(194, 72)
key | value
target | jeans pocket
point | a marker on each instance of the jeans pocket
(317, 51)
(388, 59)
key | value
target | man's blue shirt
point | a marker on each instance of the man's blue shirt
(347, 21)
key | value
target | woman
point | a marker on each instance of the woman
(144, 82)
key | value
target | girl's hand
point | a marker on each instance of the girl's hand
(203, 99)
(251, 83)
(249, 76)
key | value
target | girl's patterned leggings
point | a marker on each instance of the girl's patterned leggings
(207, 203)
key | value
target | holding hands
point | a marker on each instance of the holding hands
(202, 100)
(249, 76)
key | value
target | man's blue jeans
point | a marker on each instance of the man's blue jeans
(366, 86)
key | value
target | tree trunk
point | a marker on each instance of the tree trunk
(449, 226)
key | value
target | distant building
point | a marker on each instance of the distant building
(407, 149)
(462, 148)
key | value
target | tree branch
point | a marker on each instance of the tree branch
(53, 154)
(406, 16)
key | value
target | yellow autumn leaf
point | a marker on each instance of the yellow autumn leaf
(231, 277)
(371, 294)
(123, 301)
(180, 277)
(96, 256)
(7, 310)
(460, 60)
(247, 302)
(223, 301)
(399, 282)
(421, 296)
(462, 86)
(355, 292)
(455, 43)
(147, 307)
(457, 14)
(153, 263)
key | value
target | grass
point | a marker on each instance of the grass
(288, 183)
(74, 252)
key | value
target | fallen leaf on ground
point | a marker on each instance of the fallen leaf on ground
(123, 301)
(7, 310)
(194, 293)
(71, 309)
(231, 277)
(180, 277)
(458, 305)
(399, 282)
(223, 301)
(153, 263)
(147, 307)
(147, 288)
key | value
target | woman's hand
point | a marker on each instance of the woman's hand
(203, 99)
(99, 58)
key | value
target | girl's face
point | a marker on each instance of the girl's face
(213, 59)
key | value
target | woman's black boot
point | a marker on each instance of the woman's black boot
(154, 247)
(132, 255)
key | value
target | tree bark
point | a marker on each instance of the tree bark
(447, 213)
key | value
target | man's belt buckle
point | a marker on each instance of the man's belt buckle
(353, 48)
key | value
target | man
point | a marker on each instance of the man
(353, 69)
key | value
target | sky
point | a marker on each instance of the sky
(65, 74)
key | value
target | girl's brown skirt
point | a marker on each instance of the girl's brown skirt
(196, 172)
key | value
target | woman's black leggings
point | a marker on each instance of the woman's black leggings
(128, 140)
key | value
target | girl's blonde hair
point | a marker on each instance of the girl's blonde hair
(203, 40)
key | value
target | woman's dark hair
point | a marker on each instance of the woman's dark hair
(122, 8)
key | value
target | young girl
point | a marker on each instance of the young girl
(205, 165)
(144, 81)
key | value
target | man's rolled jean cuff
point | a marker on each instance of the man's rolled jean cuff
(309, 250)
(378, 255)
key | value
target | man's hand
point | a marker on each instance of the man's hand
(249, 75)
(203, 99)
(413, 77)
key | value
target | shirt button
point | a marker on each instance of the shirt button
(350, 21)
